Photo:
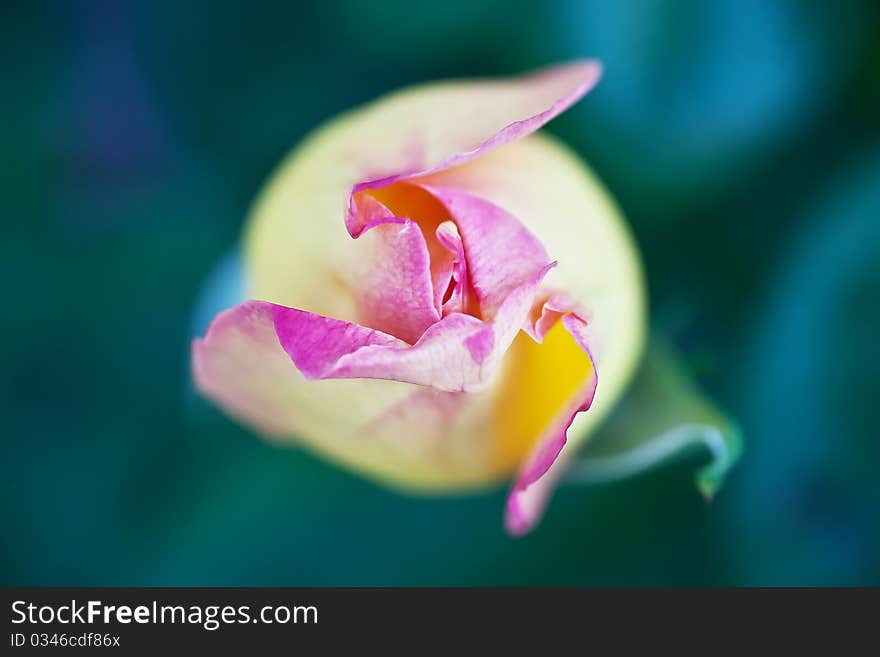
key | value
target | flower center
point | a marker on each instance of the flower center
(449, 269)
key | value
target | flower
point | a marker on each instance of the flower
(457, 340)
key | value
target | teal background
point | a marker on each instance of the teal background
(741, 137)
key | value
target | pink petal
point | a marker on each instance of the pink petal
(500, 253)
(364, 424)
(240, 365)
(541, 469)
(391, 279)
(458, 353)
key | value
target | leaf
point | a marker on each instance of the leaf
(664, 417)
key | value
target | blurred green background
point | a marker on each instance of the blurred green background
(741, 137)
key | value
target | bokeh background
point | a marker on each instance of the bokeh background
(741, 137)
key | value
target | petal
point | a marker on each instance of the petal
(241, 365)
(411, 203)
(391, 280)
(500, 253)
(461, 298)
(563, 383)
(458, 353)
